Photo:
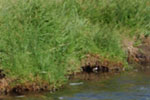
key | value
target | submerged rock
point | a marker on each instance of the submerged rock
(60, 98)
(20, 96)
(73, 84)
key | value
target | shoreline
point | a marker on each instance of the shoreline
(44, 43)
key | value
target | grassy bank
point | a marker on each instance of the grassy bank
(46, 39)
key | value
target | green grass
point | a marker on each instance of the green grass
(48, 38)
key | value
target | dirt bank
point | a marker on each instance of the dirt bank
(140, 54)
(94, 67)
(6, 87)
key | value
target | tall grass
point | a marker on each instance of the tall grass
(48, 38)
(132, 14)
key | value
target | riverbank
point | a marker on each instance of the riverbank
(92, 68)
(130, 85)
(42, 42)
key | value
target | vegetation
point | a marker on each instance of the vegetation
(48, 38)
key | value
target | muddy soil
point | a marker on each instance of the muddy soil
(4, 82)
(140, 54)
(7, 88)
(93, 64)
(94, 67)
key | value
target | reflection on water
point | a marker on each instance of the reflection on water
(127, 86)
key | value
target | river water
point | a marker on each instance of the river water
(125, 86)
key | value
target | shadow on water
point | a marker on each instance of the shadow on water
(126, 86)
